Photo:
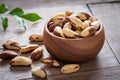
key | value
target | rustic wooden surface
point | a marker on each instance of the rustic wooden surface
(106, 66)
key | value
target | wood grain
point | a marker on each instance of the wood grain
(109, 15)
(102, 74)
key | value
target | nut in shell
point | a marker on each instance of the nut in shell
(12, 44)
(76, 22)
(68, 25)
(58, 15)
(92, 18)
(78, 32)
(89, 31)
(39, 72)
(58, 31)
(87, 23)
(69, 33)
(8, 54)
(52, 27)
(96, 24)
(36, 38)
(68, 13)
(20, 61)
(82, 16)
(70, 68)
(37, 53)
(50, 62)
(28, 48)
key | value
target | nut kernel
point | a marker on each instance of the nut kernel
(11, 44)
(70, 68)
(36, 38)
(39, 72)
(58, 31)
(8, 54)
(28, 48)
(20, 61)
(37, 53)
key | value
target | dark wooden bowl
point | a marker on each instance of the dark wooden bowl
(74, 50)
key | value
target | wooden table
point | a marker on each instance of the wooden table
(106, 66)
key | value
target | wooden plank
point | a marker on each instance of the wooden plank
(50, 3)
(104, 59)
(109, 15)
(101, 74)
(15, 32)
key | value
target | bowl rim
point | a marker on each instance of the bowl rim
(62, 38)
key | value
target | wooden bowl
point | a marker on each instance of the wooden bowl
(74, 50)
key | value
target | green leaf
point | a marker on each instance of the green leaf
(31, 17)
(3, 8)
(21, 22)
(4, 22)
(17, 11)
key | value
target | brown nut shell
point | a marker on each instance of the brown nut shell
(28, 48)
(11, 44)
(37, 53)
(8, 54)
(36, 38)
(20, 61)
(39, 72)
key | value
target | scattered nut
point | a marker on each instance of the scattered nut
(28, 48)
(8, 54)
(11, 44)
(20, 61)
(58, 31)
(70, 68)
(36, 38)
(50, 62)
(96, 24)
(69, 33)
(89, 31)
(39, 72)
(37, 53)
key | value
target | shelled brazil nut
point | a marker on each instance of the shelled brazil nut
(73, 25)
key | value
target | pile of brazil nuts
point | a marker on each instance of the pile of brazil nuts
(73, 25)
(13, 51)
